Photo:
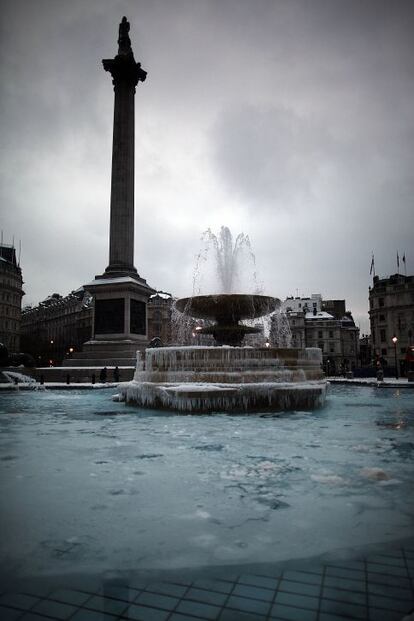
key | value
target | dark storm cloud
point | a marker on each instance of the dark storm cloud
(289, 120)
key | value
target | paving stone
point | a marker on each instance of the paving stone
(107, 605)
(166, 588)
(76, 598)
(355, 611)
(302, 576)
(214, 585)
(253, 592)
(9, 614)
(345, 584)
(301, 588)
(340, 595)
(208, 597)
(57, 610)
(157, 601)
(142, 613)
(260, 581)
(289, 613)
(341, 572)
(198, 609)
(18, 600)
(248, 605)
(300, 601)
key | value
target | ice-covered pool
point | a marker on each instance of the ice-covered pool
(89, 484)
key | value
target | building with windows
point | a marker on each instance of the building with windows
(159, 311)
(391, 314)
(11, 293)
(57, 327)
(335, 332)
(298, 304)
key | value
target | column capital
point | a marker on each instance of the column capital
(124, 70)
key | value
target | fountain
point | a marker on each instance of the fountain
(227, 376)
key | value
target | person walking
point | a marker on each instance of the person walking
(102, 375)
(116, 374)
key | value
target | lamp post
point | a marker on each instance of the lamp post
(394, 340)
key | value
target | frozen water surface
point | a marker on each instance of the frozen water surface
(91, 484)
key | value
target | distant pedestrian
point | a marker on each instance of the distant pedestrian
(116, 374)
(102, 375)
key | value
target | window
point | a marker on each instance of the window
(320, 335)
(320, 345)
(382, 318)
(384, 351)
(314, 304)
(403, 350)
(381, 301)
(383, 335)
(331, 348)
(331, 334)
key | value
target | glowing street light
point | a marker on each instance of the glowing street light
(394, 340)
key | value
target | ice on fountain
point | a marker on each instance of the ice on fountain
(280, 334)
(205, 379)
(193, 398)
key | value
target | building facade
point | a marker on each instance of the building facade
(11, 293)
(391, 314)
(57, 327)
(335, 333)
(298, 304)
(159, 311)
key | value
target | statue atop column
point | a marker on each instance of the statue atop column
(124, 41)
(123, 67)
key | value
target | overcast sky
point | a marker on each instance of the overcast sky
(292, 121)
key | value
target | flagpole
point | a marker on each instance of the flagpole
(372, 269)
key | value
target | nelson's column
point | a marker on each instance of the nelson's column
(121, 295)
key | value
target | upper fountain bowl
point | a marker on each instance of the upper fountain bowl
(227, 306)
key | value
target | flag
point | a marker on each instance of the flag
(372, 265)
(398, 261)
(403, 259)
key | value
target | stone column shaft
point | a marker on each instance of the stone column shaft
(121, 238)
(126, 73)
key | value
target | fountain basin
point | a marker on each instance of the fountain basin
(234, 379)
(227, 309)
(227, 306)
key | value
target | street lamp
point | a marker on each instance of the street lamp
(394, 340)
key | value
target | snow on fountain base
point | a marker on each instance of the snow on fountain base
(229, 379)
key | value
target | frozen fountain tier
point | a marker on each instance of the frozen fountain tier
(227, 309)
(227, 379)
